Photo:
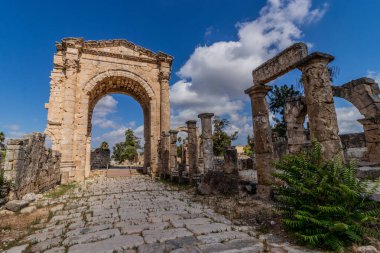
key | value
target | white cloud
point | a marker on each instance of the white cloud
(103, 108)
(13, 127)
(347, 120)
(215, 76)
(13, 131)
(117, 135)
(374, 75)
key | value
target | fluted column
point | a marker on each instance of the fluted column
(192, 149)
(320, 103)
(263, 138)
(207, 143)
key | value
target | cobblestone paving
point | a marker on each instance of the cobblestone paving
(137, 214)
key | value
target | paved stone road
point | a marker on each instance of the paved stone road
(136, 214)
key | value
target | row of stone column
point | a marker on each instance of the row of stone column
(320, 109)
(168, 150)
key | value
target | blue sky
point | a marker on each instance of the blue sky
(215, 43)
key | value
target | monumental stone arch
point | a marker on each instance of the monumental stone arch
(86, 71)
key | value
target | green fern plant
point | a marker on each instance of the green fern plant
(323, 203)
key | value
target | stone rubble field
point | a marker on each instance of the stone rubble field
(137, 214)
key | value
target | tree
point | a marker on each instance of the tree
(104, 145)
(126, 150)
(2, 137)
(220, 137)
(248, 149)
(277, 100)
(118, 152)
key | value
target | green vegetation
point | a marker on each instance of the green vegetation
(104, 145)
(60, 190)
(248, 149)
(3, 182)
(2, 137)
(220, 137)
(126, 150)
(323, 203)
(277, 100)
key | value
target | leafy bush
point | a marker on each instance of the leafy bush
(323, 203)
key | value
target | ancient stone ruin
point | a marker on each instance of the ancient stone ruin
(100, 158)
(318, 105)
(84, 72)
(30, 167)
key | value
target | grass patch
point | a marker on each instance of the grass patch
(60, 190)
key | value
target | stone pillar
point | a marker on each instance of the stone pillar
(372, 137)
(230, 161)
(192, 149)
(184, 159)
(262, 138)
(173, 154)
(71, 68)
(165, 100)
(207, 143)
(165, 147)
(320, 103)
(294, 115)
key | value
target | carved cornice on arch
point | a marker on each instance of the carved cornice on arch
(91, 46)
(89, 86)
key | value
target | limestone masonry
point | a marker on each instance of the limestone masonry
(30, 167)
(84, 72)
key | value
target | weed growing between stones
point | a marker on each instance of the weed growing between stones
(60, 190)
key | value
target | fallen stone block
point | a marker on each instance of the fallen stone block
(16, 205)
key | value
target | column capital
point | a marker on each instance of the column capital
(191, 123)
(172, 131)
(258, 90)
(316, 57)
(164, 76)
(205, 115)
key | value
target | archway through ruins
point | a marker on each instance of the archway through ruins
(84, 72)
(111, 116)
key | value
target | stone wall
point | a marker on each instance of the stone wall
(100, 158)
(29, 166)
(354, 146)
(243, 163)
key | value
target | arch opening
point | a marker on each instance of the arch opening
(120, 85)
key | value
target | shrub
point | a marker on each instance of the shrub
(323, 203)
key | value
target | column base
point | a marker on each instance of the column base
(67, 169)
